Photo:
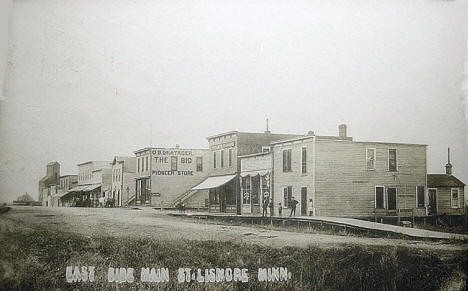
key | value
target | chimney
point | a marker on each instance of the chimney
(342, 130)
(310, 132)
(448, 166)
(177, 146)
(267, 131)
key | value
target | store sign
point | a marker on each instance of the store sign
(163, 152)
(223, 145)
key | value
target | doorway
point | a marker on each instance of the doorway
(392, 198)
(304, 201)
(432, 205)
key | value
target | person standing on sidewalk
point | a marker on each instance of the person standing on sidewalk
(265, 207)
(311, 207)
(271, 207)
(293, 207)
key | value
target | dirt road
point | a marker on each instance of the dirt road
(124, 222)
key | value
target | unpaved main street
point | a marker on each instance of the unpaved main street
(147, 222)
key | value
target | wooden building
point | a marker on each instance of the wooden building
(165, 177)
(445, 195)
(225, 151)
(338, 176)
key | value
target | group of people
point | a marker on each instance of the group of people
(268, 203)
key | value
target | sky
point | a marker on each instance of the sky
(88, 80)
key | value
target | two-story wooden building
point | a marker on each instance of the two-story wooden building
(338, 176)
(226, 149)
(165, 176)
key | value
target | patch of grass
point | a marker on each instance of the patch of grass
(37, 260)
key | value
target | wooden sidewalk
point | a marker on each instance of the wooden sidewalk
(345, 223)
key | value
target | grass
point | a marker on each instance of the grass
(37, 261)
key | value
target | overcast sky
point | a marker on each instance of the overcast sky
(86, 79)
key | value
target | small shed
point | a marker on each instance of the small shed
(445, 195)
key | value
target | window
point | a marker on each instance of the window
(138, 160)
(370, 158)
(245, 190)
(147, 163)
(214, 160)
(455, 201)
(222, 159)
(392, 160)
(230, 157)
(379, 197)
(199, 164)
(142, 164)
(173, 163)
(287, 160)
(287, 196)
(420, 197)
(304, 160)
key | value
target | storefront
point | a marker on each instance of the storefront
(255, 182)
(222, 192)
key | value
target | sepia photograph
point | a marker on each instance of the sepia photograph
(233, 145)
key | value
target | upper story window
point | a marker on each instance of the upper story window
(138, 162)
(147, 163)
(222, 159)
(455, 198)
(287, 160)
(173, 163)
(392, 160)
(230, 157)
(370, 158)
(214, 160)
(199, 164)
(304, 160)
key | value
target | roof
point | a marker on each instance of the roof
(255, 155)
(443, 180)
(52, 163)
(25, 198)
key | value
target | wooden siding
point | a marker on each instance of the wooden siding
(344, 186)
(444, 205)
(295, 178)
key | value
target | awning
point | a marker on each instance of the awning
(92, 187)
(77, 189)
(214, 182)
(254, 173)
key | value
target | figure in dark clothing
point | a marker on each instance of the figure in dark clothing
(293, 206)
(265, 207)
(271, 207)
(280, 209)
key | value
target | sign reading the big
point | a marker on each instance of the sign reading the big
(166, 160)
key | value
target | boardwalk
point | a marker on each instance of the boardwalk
(344, 223)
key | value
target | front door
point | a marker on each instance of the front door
(303, 201)
(392, 197)
(432, 205)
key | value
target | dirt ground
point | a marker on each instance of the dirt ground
(123, 222)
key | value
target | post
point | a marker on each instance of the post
(161, 205)
(412, 217)
(398, 220)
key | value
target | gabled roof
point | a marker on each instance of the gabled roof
(443, 180)
(25, 198)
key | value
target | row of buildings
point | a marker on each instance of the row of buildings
(333, 175)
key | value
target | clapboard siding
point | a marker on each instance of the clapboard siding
(444, 201)
(344, 186)
(295, 178)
